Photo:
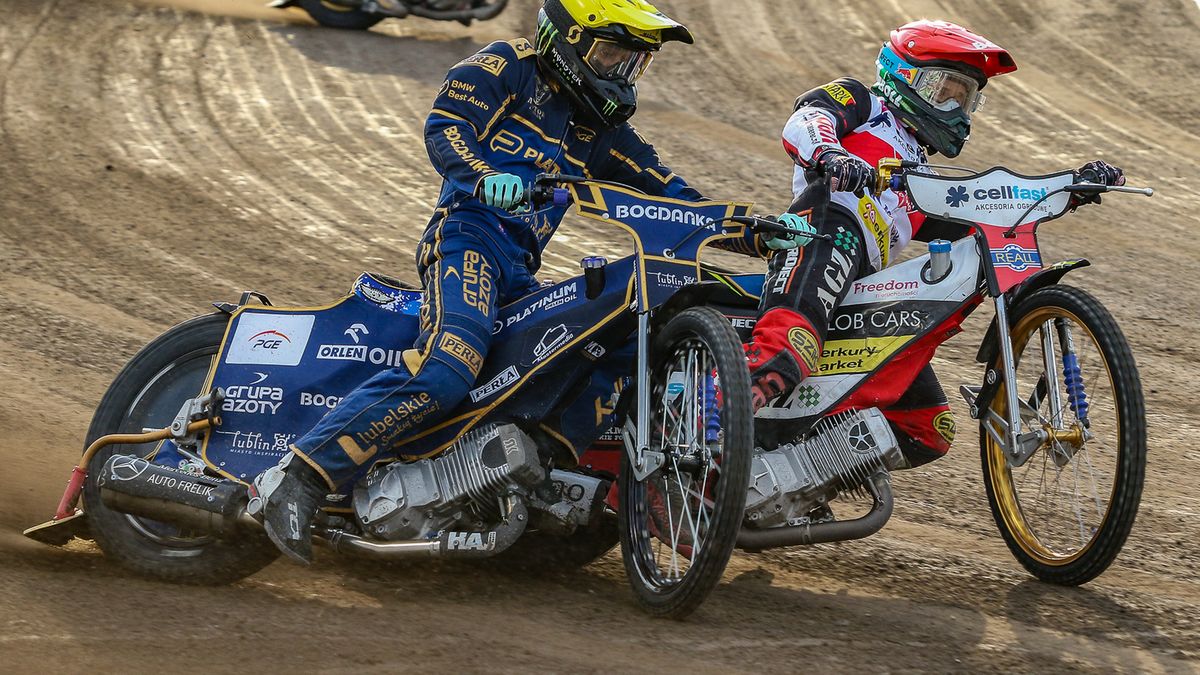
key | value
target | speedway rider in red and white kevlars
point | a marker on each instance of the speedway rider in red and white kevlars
(929, 82)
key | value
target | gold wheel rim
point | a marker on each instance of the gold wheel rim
(1003, 486)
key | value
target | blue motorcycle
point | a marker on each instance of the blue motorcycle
(211, 403)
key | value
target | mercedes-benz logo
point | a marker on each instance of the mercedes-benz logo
(125, 467)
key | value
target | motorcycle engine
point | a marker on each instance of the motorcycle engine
(843, 451)
(463, 485)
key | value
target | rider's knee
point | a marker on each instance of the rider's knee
(926, 435)
(782, 329)
(449, 369)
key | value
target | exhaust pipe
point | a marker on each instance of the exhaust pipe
(218, 507)
(449, 544)
(880, 486)
(138, 487)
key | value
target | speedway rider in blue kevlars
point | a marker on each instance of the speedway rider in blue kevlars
(503, 116)
(930, 74)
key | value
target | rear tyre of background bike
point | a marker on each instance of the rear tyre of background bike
(713, 495)
(147, 393)
(333, 15)
(1089, 531)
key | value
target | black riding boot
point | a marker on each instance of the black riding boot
(290, 494)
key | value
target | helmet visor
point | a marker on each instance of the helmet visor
(948, 90)
(611, 61)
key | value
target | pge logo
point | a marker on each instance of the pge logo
(1016, 258)
(957, 196)
(268, 339)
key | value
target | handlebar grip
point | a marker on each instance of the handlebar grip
(538, 196)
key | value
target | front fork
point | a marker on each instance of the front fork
(1018, 446)
(643, 460)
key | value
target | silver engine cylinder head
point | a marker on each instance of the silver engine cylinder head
(417, 500)
(842, 453)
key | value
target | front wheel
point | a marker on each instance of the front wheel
(1066, 511)
(333, 15)
(148, 394)
(679, 525)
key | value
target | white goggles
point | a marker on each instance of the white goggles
(611, 61)
(948, 90)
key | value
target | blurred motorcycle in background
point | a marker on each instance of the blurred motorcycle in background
(362, 14)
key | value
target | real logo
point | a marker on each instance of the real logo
(1016, 258)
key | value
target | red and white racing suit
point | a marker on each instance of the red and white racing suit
(804, 286)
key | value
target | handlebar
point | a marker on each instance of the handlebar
(890, 172)
(770, 224)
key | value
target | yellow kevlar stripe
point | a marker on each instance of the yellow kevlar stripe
(535, 129)
(495, 118)
(560, 438)
(450, 115)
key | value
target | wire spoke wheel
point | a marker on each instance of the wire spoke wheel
(680, 524)
(147, 394)
(1067, 510)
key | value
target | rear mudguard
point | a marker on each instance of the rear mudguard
(703, 293)
(989, 349)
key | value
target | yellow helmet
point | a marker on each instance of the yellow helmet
(597, 49)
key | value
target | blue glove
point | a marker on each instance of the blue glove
(502, 190)
(782, 242)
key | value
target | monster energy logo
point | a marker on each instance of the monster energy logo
(610, 107)
(546, 33)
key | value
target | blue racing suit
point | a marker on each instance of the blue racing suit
(495, 113)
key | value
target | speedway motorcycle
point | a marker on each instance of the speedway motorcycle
(362, 14)
(1060, 409)
(211, 403)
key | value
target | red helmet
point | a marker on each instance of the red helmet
(931, 72)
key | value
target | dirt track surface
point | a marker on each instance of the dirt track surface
(155, 158)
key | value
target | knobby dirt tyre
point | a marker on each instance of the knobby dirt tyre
(1117, 425)
(148, 392)
(710, 495)
(332, 15)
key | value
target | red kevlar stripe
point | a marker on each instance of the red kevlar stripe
(868, 147)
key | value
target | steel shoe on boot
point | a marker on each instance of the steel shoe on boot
(286, 498)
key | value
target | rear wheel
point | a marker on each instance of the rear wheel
(148, 393)
(1066, 511)
(679, 525)
(333, 15)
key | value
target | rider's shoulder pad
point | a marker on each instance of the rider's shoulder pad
(845, 92)
(494, 58)
(523, 47)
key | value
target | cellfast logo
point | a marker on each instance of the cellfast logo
(957, 195)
